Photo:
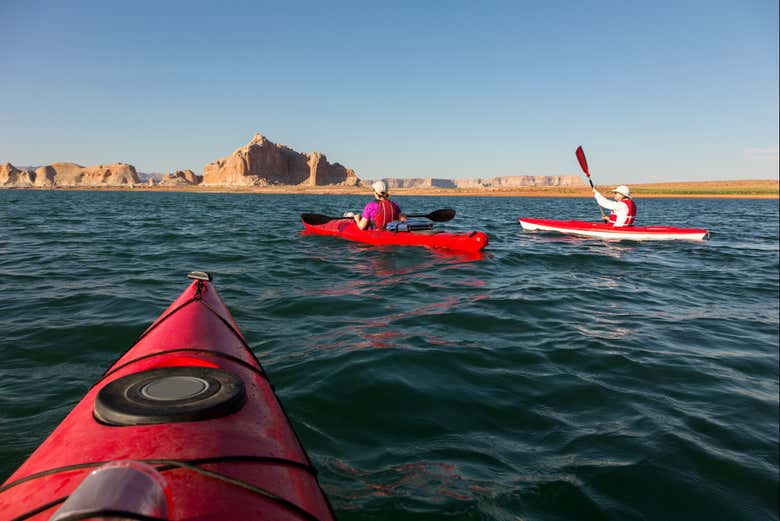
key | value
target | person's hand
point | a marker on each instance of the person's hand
(402, 218)
(348, 214)
(606, 220)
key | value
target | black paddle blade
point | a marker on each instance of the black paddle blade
(439, 216)
(315, 219)
(443, 215)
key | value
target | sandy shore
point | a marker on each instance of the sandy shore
(748, 189)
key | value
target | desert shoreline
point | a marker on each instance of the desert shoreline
(751, 189)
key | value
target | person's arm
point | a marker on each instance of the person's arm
(401, 216)
(606, 203)
(362, 222)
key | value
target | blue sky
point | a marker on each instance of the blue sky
(653, 91)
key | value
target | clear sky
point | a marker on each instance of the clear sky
(653, 91)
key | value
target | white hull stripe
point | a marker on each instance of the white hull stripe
(637, 236)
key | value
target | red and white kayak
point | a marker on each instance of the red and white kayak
(347, 229)
(191, 403)
(607, 231)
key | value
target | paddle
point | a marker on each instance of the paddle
(584, 165)
(438, 216)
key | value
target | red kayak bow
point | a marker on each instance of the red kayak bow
(190, 400)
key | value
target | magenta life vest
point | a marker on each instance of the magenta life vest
(385, 214)
(631, 213)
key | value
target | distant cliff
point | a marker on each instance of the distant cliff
(492, 183)
(262, 162)
(516, 181)
(417, 182)
(258, 163)
(68, 175)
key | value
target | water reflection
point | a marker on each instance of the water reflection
(392, 330)
(563, 238)
(384, 267)
(407, 285)
(432, 481)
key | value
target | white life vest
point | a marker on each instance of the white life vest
(629, 217)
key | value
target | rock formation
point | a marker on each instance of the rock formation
(10, 176)
(68, 175)
(145, 176)
(258, 163)
(71, 174)
(261, 162)
(519, 181)
(493, 183)
(419, 182)
(181, 178)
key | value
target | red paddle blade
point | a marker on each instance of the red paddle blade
(583, 161)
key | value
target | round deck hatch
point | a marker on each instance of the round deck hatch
(169, 395)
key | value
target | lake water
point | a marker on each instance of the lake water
(549, 378)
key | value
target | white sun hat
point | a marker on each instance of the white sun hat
(379, 187)
(622, 189)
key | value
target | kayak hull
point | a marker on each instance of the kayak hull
(607, 231)
(347, 229)
(255, 445)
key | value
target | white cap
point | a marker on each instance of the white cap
(379, 187)
(622, 189)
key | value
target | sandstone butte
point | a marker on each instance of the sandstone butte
(259, 163)
(68, 175)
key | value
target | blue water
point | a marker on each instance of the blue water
(550, 378)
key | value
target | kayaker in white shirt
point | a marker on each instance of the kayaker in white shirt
(623, 207)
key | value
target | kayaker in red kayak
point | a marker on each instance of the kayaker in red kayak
(623, 207)
(380, 211)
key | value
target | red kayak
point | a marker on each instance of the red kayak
(347, 229)
(193, 411)
(607, 231)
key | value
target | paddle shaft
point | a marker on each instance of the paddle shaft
(584, 165)
(442, 215)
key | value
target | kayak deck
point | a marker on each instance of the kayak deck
(243, 461)
(607, 231)
(347, 229)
